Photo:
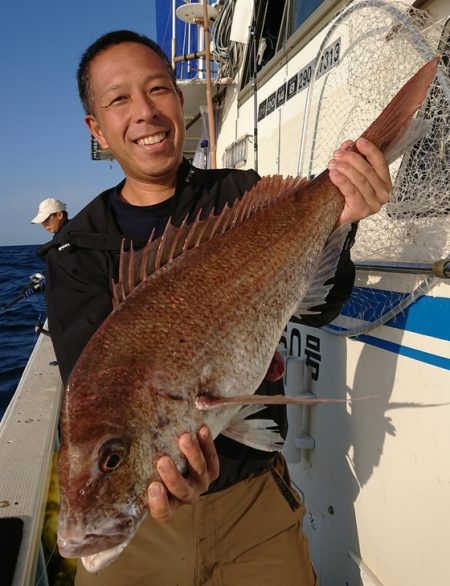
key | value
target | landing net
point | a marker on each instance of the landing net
(377, 46)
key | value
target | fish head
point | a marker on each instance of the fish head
(106, 460)
(117, 420)
(103, 498)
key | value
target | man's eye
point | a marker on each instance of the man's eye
(159, 88)
(118, 99)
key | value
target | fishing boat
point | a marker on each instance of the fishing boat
(277, 85)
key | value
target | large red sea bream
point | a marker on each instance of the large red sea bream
(198, 315)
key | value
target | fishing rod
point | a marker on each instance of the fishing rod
(39, 327)
(36, 285)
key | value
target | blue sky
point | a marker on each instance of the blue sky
(44, 144)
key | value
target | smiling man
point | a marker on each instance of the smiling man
(241, 519)
(139, 116)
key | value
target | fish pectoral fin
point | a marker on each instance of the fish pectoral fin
(327, 264)
(260, 434)
(208, 402)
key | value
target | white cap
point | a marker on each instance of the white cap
(46, 208)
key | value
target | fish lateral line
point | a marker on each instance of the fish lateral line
(209, 402)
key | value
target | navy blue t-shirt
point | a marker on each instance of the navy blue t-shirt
(137, 222)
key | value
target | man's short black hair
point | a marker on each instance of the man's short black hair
(103, 43)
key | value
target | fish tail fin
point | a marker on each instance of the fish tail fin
(394, 131)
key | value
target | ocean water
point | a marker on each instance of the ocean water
(17, 322)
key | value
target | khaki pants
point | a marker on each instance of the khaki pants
(245, 535)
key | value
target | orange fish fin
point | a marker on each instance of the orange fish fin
(209, 402)
(136, 266)
(320, 286)
(416, 129)
(391, 125)
(260, 434)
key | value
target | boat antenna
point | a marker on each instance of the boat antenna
(173, 41)
(209, 101)
(254, 49)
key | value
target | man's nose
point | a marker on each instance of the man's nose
(144, 108)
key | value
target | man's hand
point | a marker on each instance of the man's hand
(362, 177)
(174, 489)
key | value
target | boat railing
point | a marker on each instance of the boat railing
(439, 268)
(28, 432)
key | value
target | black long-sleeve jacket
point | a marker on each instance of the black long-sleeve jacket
(82, 261)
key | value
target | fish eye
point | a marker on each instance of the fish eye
(111, 455)
(111, 462)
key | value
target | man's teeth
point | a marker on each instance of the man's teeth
(152, 139)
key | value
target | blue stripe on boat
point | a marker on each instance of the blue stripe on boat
(438, 361)
(427, 315)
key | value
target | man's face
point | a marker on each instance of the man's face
(137, 112)
(54, 222)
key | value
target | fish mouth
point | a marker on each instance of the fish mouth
(98, 550)
(75, 544)
(94, 560)
(89, 544)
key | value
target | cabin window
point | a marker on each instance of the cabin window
(275, 22)
(268, 20)
(301, 10)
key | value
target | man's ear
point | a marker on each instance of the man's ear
(96, 131)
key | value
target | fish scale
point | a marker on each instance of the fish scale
(234, 310)
(188, 329)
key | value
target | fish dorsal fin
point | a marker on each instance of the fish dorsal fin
(136, 265)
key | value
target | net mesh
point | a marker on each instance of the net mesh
(378, 46)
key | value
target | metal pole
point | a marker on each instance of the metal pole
(174, 26)
(439, 268)
(211, 125)
(189, 48)
(189, 56)
(255, 88)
